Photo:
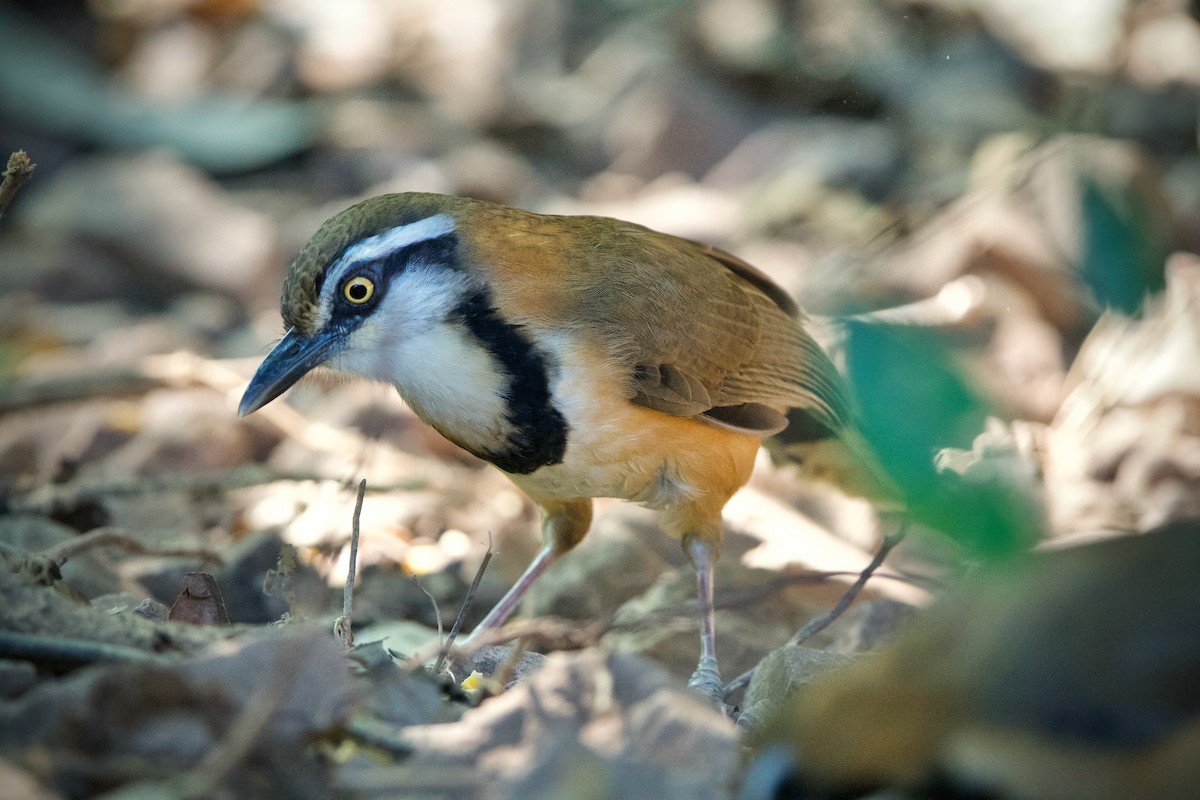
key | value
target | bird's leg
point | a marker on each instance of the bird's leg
(563, 525)
(512, 598)
(707, 678)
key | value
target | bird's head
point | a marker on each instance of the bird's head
(362, 292)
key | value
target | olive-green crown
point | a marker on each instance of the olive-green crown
(301, 288)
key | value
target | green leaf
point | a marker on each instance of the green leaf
(1121, 261)
(912, 402)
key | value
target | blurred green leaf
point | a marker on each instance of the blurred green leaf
(913, 402)
(1121, 263)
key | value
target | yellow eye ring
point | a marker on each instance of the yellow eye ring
(359, 290)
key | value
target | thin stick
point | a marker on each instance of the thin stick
(818, 624)
(57, 651)
(462, 610)
(508, 669)
(18, 171)
(822, 622)
(108, 536)
(437, 612)
(342, 627)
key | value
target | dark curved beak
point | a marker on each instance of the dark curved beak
(288, 362)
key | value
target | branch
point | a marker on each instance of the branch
(444, 651)
(108, 536)
(18, 171)
(343, 626)
(818, 624)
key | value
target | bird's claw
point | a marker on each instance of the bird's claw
(706, 681)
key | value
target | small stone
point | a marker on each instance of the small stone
(780, 674)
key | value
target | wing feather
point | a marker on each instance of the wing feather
(700, 332)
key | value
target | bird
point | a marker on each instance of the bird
(583, 356)
(1071, 674)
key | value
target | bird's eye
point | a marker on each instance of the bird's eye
(359, 290)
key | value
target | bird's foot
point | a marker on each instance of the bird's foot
(706, 681)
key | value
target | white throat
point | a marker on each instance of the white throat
(440, 370)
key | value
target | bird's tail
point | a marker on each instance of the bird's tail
(838, 456)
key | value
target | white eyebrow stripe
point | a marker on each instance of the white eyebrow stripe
(376, 247)
(381, 244)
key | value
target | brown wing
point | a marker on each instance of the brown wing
(701, 333)
(705, 334)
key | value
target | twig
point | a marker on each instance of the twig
(343, 626)
(444, 652)
(822, 622)
(437, 612)
(508, 669)
(818, 624)
(115, 537)
(18, 171)
(58, 652)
